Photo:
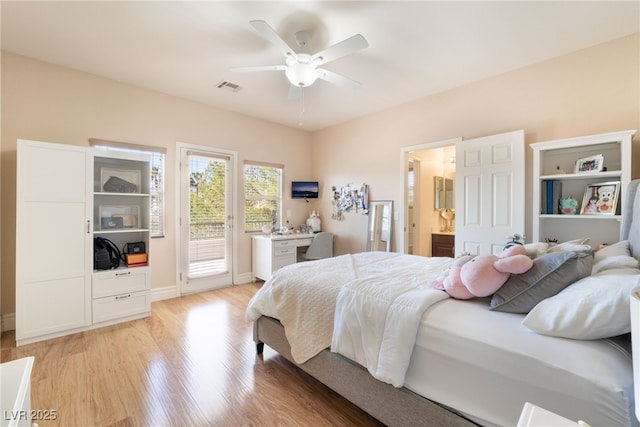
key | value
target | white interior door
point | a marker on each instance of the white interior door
(206, 219)
(489, 192)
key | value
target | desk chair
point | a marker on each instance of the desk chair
(321, 246)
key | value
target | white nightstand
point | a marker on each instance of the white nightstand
(534, 416)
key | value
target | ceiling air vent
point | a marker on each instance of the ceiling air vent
(228, 86)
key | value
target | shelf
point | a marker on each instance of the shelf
(104, 193)
(120, 269)
(562, 154)
(122, 230)
(584, 175)
(582, 217)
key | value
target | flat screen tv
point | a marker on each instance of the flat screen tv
(304, 189)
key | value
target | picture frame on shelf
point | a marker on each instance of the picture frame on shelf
(589, 164)
(600, 198)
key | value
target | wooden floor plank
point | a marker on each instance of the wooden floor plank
(192, 363)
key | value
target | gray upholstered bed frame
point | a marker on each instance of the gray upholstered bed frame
(392, 406)
(399, 406)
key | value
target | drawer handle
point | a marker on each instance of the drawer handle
(123, 296)
(123, 274)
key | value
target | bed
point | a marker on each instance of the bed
(371, 328)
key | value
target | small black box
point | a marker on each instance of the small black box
(135, 248)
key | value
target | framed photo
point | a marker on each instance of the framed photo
(589, 164)
(601, 198)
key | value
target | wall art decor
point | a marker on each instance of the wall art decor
(349, 197)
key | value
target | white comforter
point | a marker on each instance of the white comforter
(375, 300)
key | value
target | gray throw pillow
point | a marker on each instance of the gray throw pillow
(551, 273)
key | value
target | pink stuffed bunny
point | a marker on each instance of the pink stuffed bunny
(451, 282)
(483, 275)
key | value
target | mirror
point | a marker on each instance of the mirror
(443, 190)
(380, 226)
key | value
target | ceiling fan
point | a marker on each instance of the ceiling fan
(301, 68)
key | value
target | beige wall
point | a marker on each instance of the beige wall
(44, 102)
(592, 91)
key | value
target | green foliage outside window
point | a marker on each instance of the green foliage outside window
(207, 199)
(263, 194)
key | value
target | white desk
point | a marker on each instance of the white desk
(270, 253)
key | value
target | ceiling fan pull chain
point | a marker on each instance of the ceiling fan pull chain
(301, 113)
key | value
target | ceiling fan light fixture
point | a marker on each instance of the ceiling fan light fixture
(301, 75)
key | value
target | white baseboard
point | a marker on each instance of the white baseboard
(243, 279)
(8, 322)
(166, 292)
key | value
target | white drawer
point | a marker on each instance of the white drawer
(305, 242)
(289, 243)
(115, 307)
(111, 283)
(281, 261)
(284, 250)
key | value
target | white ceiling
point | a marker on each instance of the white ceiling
(416, 48)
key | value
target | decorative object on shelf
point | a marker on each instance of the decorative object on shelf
(568, 206)
(266, 229)
(313, 222)
(348, 197)
(589, 164)
(551, 193)
(558, 171)
(118, 216)
(601, 198)
(120, 180)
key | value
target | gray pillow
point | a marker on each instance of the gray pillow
(551, 273)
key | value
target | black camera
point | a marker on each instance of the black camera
(135, 248)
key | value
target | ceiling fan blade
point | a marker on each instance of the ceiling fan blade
(270, 34)
(260, 68)
(295, 92)
(337, 79)
(338, 50)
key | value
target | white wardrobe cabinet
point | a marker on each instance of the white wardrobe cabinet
(57, 200)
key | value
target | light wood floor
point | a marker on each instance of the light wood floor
(192, 363)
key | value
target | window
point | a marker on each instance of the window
(157, 194)
(262, 195)
(157, 178)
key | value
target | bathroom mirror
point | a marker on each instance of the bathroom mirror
(443, 191)
(380, 226)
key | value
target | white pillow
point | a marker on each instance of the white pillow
(570, 246)
(613, 256)
(617, 249)
(536, 249)
(614, 262)
(592, 308)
